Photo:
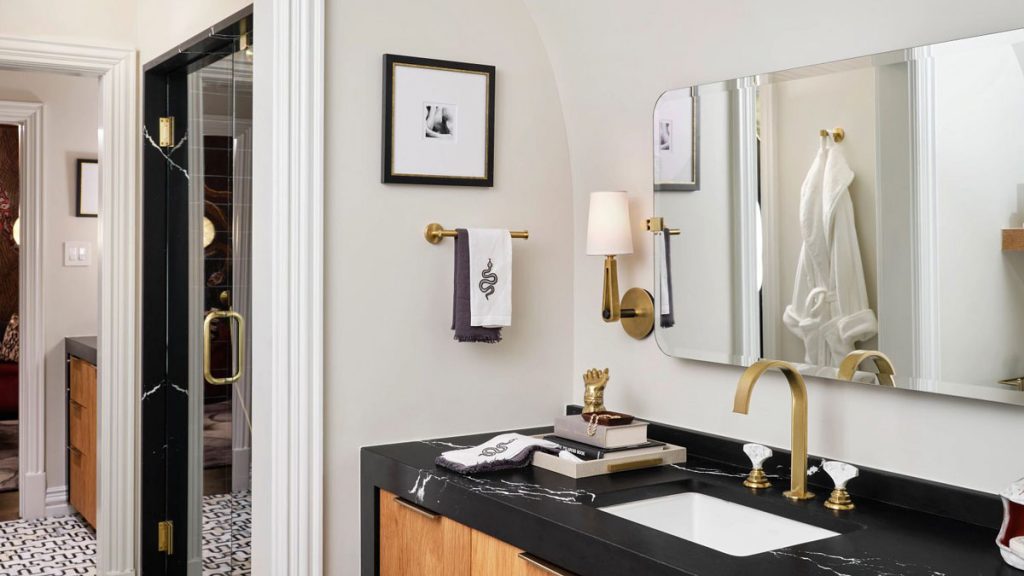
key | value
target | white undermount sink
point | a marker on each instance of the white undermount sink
(724, 526)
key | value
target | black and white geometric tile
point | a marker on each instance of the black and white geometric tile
(227, 534)
(66, 546)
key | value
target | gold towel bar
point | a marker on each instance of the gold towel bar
(435, 233)
(837, 134)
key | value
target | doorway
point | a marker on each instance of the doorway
(196, 365)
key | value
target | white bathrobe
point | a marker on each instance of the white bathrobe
(830, 310)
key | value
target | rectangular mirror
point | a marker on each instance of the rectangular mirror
(868, 205)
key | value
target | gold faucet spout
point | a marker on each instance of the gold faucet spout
(886, 374)
(798, 389)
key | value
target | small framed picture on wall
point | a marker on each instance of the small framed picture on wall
(677, 141)
(87, 204)
(438, 125)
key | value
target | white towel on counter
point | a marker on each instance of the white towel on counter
(490, 277)
(502, 452)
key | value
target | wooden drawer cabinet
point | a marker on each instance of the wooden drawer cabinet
(416, 541)
(82, 437)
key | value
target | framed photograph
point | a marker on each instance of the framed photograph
(677, 141)
(438, 122)
(87, 204)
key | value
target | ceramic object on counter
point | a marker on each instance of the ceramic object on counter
(1013, 525)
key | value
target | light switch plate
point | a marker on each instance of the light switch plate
(77, 253)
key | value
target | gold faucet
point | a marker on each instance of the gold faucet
(798, 465)
(886, 375)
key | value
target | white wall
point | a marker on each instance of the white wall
(70, 295)
(612, 60)
(392, 370)
(103, 22)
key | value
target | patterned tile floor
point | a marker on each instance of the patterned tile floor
(66, 546)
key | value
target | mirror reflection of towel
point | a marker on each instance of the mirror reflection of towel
(461, 318)
(668, 316)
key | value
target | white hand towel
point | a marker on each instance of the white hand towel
(490, 277)
(499, 453)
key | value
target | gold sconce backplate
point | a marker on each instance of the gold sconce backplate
(641, 323)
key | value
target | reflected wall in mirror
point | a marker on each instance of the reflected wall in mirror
(805, 243)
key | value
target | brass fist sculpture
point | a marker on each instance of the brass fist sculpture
(593, 397)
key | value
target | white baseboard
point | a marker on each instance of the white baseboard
(57, 501)
(33, 495)
(241, 476)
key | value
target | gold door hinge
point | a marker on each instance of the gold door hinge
(165, 537)
(166, 131)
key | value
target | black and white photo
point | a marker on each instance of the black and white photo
(438, 125)
(665, 135)
(439, 121)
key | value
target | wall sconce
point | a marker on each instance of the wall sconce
(608, 235)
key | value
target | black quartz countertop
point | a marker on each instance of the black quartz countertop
(83, 347)
(556, 518)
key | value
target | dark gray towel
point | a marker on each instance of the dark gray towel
(668, 320)
(461, 316)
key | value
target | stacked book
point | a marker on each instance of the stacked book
(589, 442)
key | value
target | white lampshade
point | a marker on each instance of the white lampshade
(608, 231)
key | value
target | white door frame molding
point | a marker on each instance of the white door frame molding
(28, 117)
(287, 295)
(117, 70)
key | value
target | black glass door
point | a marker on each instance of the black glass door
(196, 388)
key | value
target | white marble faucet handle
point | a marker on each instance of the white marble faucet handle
(840, 472)
(757, 454)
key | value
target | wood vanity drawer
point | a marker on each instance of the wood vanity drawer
(494, 557)
(82, 413)
(417, 541)
(414, 540)
(81, 428)
(83, 490)
(83, 382)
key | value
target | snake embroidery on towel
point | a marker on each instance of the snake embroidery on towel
(497, 448)
(489, 280)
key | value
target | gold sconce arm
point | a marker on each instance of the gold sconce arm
(656, 224)
(611, 310)
(886, 374)
(636, 309)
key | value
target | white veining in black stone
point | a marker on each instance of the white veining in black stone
(844, 566)
(441, 444)
(167, 155)
(500, 487)
(154, 389)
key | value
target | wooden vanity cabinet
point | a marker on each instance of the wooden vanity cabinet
(82, 437)
(414, 540)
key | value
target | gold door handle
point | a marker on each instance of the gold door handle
(239, 349)
(543, 566)
(417, 509)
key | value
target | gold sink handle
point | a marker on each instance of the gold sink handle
(841, 473)
(757, 479)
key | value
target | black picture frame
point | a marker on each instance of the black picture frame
(78, 189)
(388, 174)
